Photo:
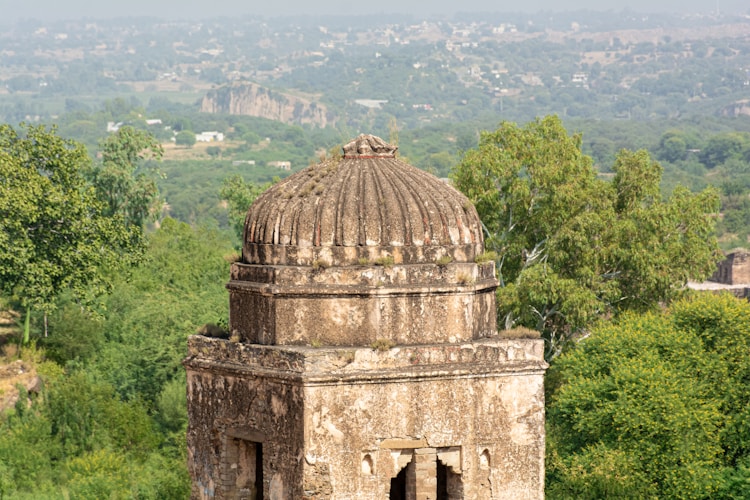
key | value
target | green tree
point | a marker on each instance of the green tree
(55, 234)
(179, 286)
(572, 247)
(185, 138)
(240, 194)
(74, 334)
(654, 406)
(722, 147)
(672, 147)
(121, 181)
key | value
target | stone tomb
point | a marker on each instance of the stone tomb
(364, 361)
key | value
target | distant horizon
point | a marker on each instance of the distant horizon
(71, 10)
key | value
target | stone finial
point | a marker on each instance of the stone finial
(369, 146)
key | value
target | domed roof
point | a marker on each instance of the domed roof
(366, 205)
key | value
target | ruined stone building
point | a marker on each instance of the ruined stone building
(364, 360)
(734, 269)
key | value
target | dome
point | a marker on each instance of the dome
(365, 205)
(362, 249)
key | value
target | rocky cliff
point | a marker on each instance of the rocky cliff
(253, 100)
(737, 108)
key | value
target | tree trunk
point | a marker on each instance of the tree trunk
(26, 326)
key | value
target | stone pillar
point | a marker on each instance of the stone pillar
(425, 473)
(229, 459)
(411, 481)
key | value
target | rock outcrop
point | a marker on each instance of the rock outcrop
(737, 108)
(252, 99)
(14, 376)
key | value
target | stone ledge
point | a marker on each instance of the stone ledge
(334, 365)
(371, 275)
(337, 291)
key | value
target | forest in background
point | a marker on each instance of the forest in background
(109, 419)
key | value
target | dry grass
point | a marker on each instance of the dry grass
(197, 152)
(198, 86)
(520, 332)
(10, 332)
(382, 344)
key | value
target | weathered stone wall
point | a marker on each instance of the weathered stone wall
(365, 414)
(500, 416)
(734, 269)
(226, 404)
(357, 305)
(740, 268)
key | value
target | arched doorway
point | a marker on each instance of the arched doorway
(398, 486)
(449, 485)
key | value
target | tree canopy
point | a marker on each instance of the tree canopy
(120, 180)
(185, 138)
(112, 422)
(240, 194)
(654, 406)
(573, 247)
(55, 233)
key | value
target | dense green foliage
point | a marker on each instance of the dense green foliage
(55, 233)
(120, 179)
(573, 247)
(654, 406)
(111, 419)
(179, 287)
(240, 195)
(185, 138)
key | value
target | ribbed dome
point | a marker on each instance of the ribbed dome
(366, 205)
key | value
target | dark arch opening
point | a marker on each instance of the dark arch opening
(442, 481)
(449, 484)
(398, 486)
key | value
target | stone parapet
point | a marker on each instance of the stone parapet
(334, 365)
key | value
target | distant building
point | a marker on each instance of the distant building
(283, 165)
(212, 136)
(734, 269)
(732, 275)
(580, 80)
(371, 103)
(237, 163)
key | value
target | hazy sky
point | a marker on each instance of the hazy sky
(11, 10)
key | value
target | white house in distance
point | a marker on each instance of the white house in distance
(211, 136)
(283, 165)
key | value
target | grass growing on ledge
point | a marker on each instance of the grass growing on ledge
(386, 261)
(464, 279)
(382, 344)
(444, 260)
(485, 257)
